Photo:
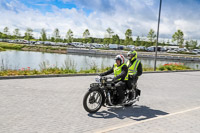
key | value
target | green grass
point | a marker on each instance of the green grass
(2, 49)
(14, 46)
(11, 46)
(56, 70)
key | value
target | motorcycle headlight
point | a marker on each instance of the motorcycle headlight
(97, 80)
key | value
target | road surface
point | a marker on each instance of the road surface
(169, 103)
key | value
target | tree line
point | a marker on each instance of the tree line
(110, 37)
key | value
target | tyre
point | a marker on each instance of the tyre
(133, 93)
(92, 101)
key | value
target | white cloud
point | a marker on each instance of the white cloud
(119, 15)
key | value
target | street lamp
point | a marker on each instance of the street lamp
(157, 36)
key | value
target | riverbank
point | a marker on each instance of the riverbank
(38, 48)
(1, 49)
(97, 52)
(151, 55)
(80, 74)
(70, 69)
(45, 49)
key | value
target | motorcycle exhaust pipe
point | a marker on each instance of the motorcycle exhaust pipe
(109, 100)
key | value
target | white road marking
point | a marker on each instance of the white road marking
(122, 125)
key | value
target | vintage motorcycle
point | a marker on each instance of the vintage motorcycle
(104, 93)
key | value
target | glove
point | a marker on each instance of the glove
(114, 79)
(133, 76)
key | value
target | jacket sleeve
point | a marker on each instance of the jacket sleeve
(107, 72)
(139, 70)
(123, 74)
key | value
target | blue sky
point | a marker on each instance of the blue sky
(98, 15)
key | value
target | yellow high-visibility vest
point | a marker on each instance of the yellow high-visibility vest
(118, 69)
(133, 69)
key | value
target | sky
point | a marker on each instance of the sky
(97, 15)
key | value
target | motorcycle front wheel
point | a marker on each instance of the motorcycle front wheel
(92, 101)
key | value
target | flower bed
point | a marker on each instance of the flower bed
(52, 70)
(173, 66)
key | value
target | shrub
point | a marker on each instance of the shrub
(173, 66)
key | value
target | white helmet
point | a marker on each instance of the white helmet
(120, 57)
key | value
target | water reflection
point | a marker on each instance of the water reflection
(22, 59)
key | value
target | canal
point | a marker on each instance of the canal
(12, 59)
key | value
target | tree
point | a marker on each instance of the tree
(69, 36)
(43, 35)
(187, 44)
(110, 32)
(1, 35)
(28, 34)
(128, 33)
(178, 36)
(52, 39)
(5, 33)
(6, 30)
(128, 37)
(106, 41)
(115, 39)
(56, 35)
(193, 44)
(91, 40)
(151, 36)
(86, 33)
(137, 41)
(121, 42)
(16, 33)
(168, 42)
(163, 43)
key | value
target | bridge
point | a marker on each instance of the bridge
(169, 103)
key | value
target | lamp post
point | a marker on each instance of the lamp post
(157, 36)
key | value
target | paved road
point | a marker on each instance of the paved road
(170, 103)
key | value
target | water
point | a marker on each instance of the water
(12, 59)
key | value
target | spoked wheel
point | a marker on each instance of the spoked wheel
(92, 101)
(132, 97)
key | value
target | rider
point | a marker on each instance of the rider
(134, 68)
(120, 76)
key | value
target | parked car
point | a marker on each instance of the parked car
(32, 42)
(39, 42)
(141, 48)
(196, 51)
(172, 51)
(121, 47)
(113, 46)
(131, 47)
(151, 49)
(26, 42)
(96, 45)
(182, 50)
(52, 43)
(47, 42)
(11, 41)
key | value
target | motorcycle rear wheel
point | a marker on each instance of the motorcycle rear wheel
(92, 101)
(133, 97)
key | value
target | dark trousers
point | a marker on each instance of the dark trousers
(120, 90)
(132, 82)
